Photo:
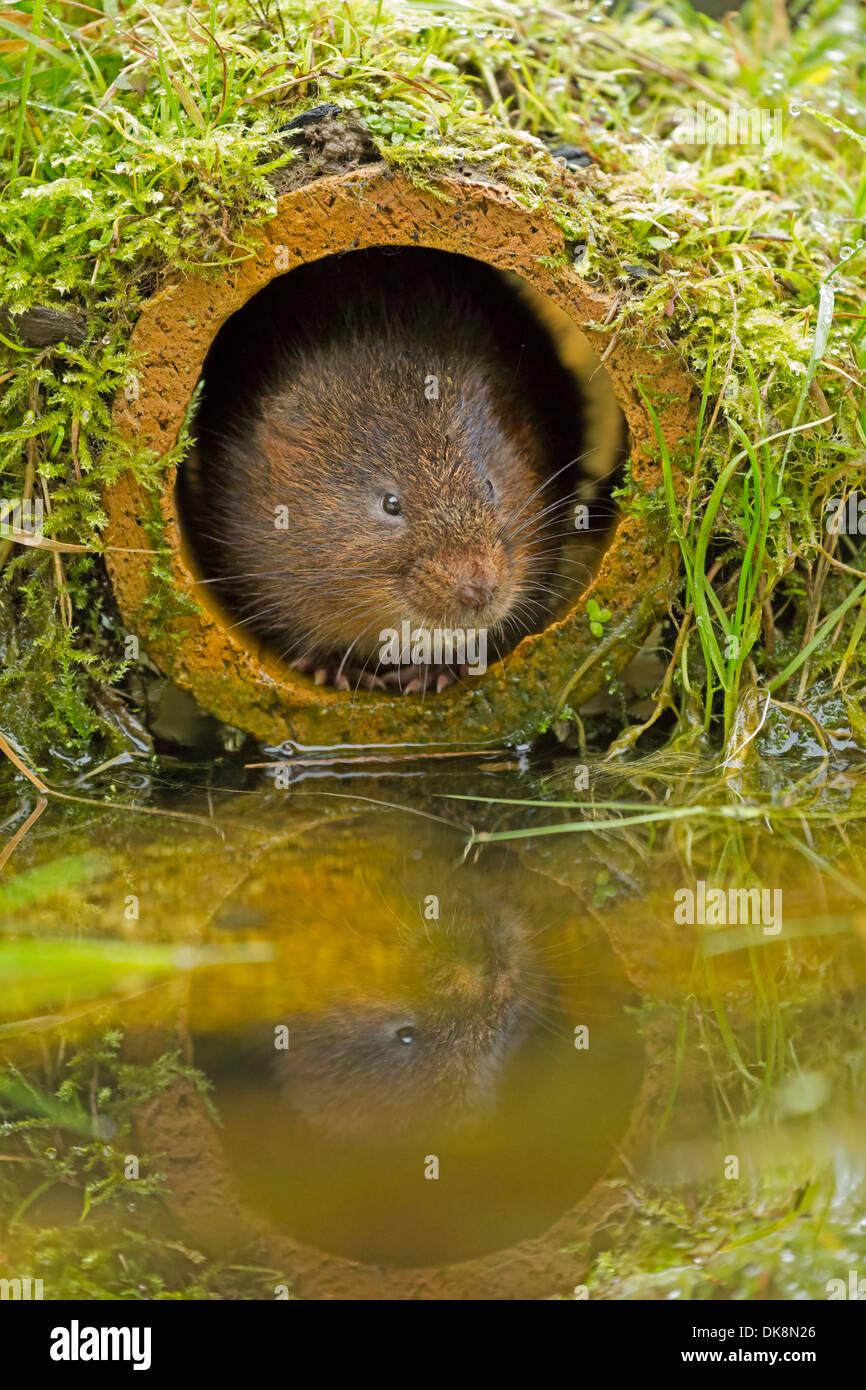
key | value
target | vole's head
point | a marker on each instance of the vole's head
(438, 1047)
(410, 497)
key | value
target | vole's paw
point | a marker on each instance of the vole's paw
(402, 680)
(332, 672)
(365, 680)
(417, 680)
(323, 671)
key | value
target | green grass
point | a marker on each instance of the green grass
(70, 1213)
(788, 1106)
(663, 822)
(134, 142)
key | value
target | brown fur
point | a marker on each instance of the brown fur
(338, 418)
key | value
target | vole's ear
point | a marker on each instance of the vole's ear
(276, 411)
(276, 440)
(470, 381)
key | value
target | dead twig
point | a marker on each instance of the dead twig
(46, 792)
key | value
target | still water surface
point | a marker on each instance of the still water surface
(427, 1043)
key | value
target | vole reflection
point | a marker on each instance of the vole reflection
(471, 991)
(415, 1006)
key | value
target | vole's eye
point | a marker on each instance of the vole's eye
(491, 490)
(405, 1035)
(391, 505)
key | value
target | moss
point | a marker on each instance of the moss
(750, 1241)
(73, 1215)
(145, 143)
(790, 1218)
(163, 602)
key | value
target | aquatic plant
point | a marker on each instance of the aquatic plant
(72, 1215)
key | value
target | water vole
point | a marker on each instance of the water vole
(472, 991)
(380, 444)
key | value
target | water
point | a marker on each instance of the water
(451, 1052)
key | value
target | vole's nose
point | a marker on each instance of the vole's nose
(476, 589)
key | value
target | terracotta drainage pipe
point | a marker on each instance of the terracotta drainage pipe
(226, 670)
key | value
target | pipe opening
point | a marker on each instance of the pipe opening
(400, 452)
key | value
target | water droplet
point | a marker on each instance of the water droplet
(50, 1153)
